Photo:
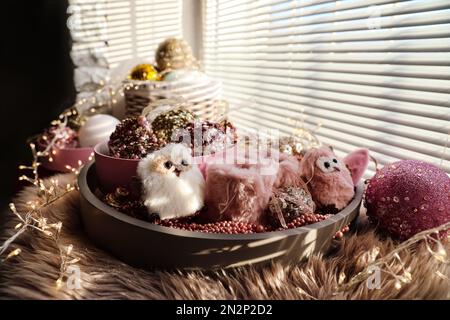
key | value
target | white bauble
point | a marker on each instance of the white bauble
(97, 129)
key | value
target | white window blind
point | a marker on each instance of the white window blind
(374, 73)
(119, 30)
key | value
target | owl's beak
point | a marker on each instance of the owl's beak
(177, 171)
(337, 169)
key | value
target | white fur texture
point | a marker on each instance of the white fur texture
(166, 194)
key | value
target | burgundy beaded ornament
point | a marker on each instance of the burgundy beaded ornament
(408, 197)
(133, 139)
(207, 137)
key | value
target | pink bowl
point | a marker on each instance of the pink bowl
(67, 157)
(115, 172)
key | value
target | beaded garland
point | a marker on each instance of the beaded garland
(122, 200)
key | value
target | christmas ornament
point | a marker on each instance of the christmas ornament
(122, 200)
(144, 72)
(328, 179)
(174, 54)
(166, 124)
(97, 129)
(207, 137)
(133, 139)
(408, 197)
(173, 186)
(288, 203)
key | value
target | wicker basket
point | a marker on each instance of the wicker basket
(204, 96)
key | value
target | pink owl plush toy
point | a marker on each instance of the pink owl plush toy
(331, 181)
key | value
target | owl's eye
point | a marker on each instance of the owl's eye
(168, 164)
(335, 160)
(184, 163)
(325, 164)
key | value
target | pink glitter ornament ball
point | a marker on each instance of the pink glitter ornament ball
(408, 197)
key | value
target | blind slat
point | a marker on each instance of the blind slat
(290, 19)
(270, 30)
(277, 83)
(291, 69)
(382, 149)
(397, 58)
(376, 74)
(122, 30)
(332, 113)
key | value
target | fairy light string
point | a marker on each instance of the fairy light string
(393, 265)
(32, 218)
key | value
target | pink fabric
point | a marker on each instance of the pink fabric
(288, 172)
(239, 192)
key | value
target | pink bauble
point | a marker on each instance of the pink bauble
(407, 197)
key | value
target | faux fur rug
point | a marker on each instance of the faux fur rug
(32, 274)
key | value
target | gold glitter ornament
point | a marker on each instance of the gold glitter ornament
(167, 123)
(173, 54)
(144, 72)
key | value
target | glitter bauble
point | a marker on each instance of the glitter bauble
(144, 72)
(287, 204)
(408, 197)
(133, 139)
(165, 124)
(208, 137)
(174, 54)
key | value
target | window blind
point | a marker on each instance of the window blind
(120, 30)
(373, 73)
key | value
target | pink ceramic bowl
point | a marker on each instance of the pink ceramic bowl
(115, 172)
(67, 157)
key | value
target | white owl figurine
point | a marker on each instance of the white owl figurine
(173, 187)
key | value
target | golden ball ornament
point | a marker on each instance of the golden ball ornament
(144, 72)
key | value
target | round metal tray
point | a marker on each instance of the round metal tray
(143, 244)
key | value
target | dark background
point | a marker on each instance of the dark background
(36, 81)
